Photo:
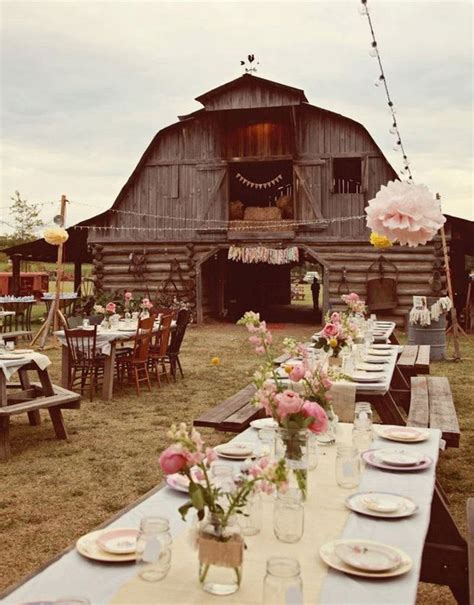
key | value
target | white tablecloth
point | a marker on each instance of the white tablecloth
(104, 338)
(73, 574)
(10, 366)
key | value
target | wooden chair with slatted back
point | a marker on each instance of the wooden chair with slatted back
(85, 363)
(157, 354)
(135, 363)
(177, 336)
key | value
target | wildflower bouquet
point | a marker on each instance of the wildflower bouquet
(354, 303)
(338, 332)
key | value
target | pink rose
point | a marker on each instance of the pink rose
(353, 296)
(172, 460)
(288, 402)
(211, 455)
(297, 373)
(128, 296)
(110, 308)
(320, 423)
(336, 318)
(330, 330)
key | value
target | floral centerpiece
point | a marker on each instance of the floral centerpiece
(220, 545)
(297, 409)
(336, 334)
(354, 303)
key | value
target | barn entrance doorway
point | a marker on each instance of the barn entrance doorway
(230, 288)
(261, 190)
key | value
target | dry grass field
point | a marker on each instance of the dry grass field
(52, 491)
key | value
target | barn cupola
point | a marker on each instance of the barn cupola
(251, 92)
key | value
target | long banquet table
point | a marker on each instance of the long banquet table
(72, 574)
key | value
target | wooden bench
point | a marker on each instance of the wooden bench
(30, 400)
(431, 405)
(234, 414)
(470, 544)
(414, 360)
(8, 336)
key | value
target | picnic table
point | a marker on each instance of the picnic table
(30, 397)
(71, 573)
(107, 341)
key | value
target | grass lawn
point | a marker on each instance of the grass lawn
(53, 491)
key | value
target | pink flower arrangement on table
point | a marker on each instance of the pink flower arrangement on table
(305, 409)
(405, 212)
(111, 308)
(188, 456)
(355, 304)
(337, 333)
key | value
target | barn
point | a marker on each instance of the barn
(263, 176)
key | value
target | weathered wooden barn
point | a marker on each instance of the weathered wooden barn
(255, 150)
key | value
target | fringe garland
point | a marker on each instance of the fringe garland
(424, 317)
(261, 254)
(251, 184)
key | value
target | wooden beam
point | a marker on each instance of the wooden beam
(314, 204)
(16, 266)
(77, 274)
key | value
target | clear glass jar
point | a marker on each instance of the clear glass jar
(154, 549)
(347, 466)
(329, 436)
(282, 583)
(251, 521)
(288, 516)
(292, 444)
(221, 552)
(362, 438)
(363, 415)
(313, 452)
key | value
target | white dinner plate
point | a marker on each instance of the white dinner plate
(87, 546)
(368, 556)
(9, 357)
(367, 376)
(370, 367)
(403, 434)
(382, 347)
(375, 359)
(329, 556)
(235, 451)
(264, 423)
(22, 351)
(399, 457)
(379, 353)
(380, 504)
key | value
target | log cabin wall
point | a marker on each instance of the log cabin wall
(178, 195)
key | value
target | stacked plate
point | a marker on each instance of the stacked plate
(365, 558)
(235, 451)
(381, 504)
(403, 434)
(362, 376)
(397, 459)
(111, 545)
(264, 423)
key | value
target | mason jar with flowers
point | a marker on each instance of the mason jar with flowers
(335, 335)
(297, 402)
(217, 535)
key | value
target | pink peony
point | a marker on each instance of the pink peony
(330, 330)
(128, 296)
(288, 402)
(353, 296)
(172, 460)
(297, 373)
(110, 308)
(405, 212)
(320, 424)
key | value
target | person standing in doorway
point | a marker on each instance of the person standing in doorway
(315, 288)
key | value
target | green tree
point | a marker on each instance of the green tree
(24, 217)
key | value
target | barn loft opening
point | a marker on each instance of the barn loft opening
(347, 175)
(261, 190)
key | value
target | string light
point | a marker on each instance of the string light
(382, 80)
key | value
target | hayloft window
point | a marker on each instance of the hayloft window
(347, 175)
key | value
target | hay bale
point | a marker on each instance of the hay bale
(285, 204)
(269, 213)
(236, 210)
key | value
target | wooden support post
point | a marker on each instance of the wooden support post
(77, 274)
(59, 270)
(454, 319)
(16, 267)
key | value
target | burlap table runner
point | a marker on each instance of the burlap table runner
(325, 517)
(343, 398)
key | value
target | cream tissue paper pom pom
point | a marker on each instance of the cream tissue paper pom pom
(404, 212)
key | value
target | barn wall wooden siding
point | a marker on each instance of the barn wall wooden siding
(175, 205)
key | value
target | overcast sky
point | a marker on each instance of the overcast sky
(86, 85)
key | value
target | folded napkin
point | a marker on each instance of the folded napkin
(10, 366)
(343, 399)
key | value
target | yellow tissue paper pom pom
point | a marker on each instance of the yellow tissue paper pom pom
(215, 361)
(379, 241)
(55, 235)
